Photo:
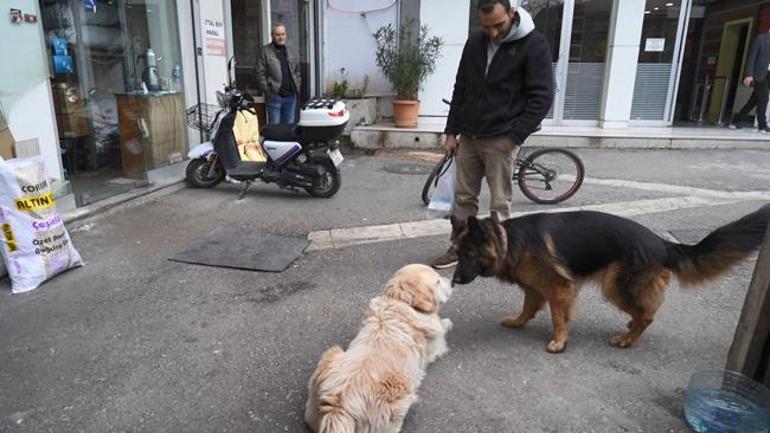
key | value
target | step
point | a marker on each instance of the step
(429, 136)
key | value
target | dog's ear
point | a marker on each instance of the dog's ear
(419, 298)
(424, 300)
(397, 291)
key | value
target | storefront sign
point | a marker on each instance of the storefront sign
(215, 38)
(215, 29)
(654, 45)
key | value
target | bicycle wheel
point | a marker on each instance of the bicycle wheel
(549, 176)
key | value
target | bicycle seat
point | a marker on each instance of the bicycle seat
(280, 132)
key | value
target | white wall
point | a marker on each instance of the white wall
(453, 29)
(214, 70)
(25, 90)
(32, 117)
(188, 53)
(348, 41)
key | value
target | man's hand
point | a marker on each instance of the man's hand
(748, 81)
(451, 144)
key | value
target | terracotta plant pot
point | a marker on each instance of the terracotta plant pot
(405, 113)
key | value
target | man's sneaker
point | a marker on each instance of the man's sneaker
(765, 130)
(447, 260)
(734, 125)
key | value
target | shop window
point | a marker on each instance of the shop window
(117, 87)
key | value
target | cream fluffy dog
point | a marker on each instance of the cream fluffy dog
(370, 387)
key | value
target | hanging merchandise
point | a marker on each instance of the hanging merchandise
(59, 46)
(62, 61)
(63, 64)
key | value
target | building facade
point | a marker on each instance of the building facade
(99, 88)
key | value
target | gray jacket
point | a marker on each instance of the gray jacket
(759, 58)
(269, 71)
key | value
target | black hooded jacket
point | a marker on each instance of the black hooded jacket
(512, 97)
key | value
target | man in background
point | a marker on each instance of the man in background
(278, 77)
(757, 75)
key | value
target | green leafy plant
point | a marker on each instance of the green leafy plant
(406, 57)
(340, 88)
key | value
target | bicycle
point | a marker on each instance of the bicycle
(546, 176)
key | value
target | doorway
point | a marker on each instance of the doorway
(728, 95)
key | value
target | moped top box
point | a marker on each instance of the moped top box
(323, 119)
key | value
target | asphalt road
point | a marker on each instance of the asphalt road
(135, 342)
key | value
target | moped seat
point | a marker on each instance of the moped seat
(280, 132)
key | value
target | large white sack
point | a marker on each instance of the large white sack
(35, 243)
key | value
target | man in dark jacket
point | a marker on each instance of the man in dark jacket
(503, 90)
(278, 77)
(758, 75)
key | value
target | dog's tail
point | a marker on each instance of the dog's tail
(334, 418)
(720, 250)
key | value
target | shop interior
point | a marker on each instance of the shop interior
(117, 91)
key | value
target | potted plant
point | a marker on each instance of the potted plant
(406, 59)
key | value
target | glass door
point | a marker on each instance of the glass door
(656, 69)
(549, 16)
(587, 58)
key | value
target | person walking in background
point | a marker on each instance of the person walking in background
(503, 90)
(278, 77)
(757, 75)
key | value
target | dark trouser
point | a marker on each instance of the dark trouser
(758, 99)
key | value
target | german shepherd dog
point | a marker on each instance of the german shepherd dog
(551, 255)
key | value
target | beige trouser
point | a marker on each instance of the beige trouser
(478, 158)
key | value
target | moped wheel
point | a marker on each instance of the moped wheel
(197, 173)
(327, 184)
(550, 176)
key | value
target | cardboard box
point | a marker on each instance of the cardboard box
(27, 148)
(72, 125)
(7, 142)
(67, 99)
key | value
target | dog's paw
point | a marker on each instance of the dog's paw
(622, 341)
(556, 346)
(513, 322)
(446, 324)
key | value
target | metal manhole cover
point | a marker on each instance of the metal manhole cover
(412, 169)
